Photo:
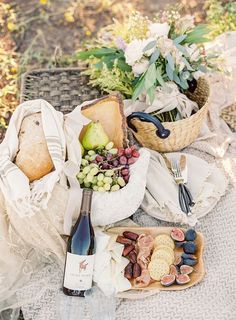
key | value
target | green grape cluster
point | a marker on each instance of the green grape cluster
(106, 169)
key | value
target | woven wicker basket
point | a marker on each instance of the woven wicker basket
(182, 132)
(64, 88)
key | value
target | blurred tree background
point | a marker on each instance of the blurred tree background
(46, 33)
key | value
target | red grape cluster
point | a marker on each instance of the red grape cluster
(107, 168)
(123, 158)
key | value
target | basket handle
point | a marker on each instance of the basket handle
(161, 132)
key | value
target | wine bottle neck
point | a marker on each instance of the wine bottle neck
(86, 202)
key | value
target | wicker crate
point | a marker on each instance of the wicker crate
(64, 88)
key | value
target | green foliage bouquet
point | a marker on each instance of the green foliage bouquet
(139, 55)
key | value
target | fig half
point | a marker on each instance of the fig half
(167, 280)
(177, 234)
(182, 279)
(178, 261)
(185, 269)
(174, 270)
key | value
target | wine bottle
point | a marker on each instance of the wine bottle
(79, 263)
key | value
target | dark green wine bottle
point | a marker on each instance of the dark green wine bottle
(79, 263)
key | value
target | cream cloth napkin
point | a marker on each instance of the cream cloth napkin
(167, 98)
(205, 181)
(25, 198)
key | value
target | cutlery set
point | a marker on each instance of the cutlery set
(179, 170)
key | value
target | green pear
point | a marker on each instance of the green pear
(82, 148)
(95, 136)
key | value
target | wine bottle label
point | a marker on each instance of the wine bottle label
(78, 272)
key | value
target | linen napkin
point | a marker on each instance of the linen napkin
(167, 98)
(109, 264)
(25, 198)
(205, 181)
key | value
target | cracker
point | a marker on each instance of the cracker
(165, 240)
(166, 248)
(158, 268)
(163, 254)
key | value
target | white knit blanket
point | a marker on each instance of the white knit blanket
(25, 198)
(212, 299)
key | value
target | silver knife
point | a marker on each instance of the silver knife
(184, 170)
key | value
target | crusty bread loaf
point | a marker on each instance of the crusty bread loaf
(33, 157)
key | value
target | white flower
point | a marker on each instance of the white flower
(158, 30)
(165, 46)
(140, 67)
(134, 51)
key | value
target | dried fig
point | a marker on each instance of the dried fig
(129, 271)
(136, 270)
(133, 256)
(127, 249)
(123, 240)
(130, 235)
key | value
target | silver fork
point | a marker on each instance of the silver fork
(190, 200)
(183, 196)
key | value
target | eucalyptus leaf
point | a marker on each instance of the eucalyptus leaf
(97, 52)
(169, 72)
(198, 34)
(139, 88)
(151, 94)
(187, 64)
(184, 84)
(150, 76)
(150, 45)
(109, 61)
(159, 76)
(182, 49)
(176, 78)
(179, 39)
(123, 65)
(171, 62)
(154, 56)
(202, 68)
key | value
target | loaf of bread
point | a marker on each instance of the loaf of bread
(33, 157)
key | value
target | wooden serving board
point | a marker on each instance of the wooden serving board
(199, 270)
